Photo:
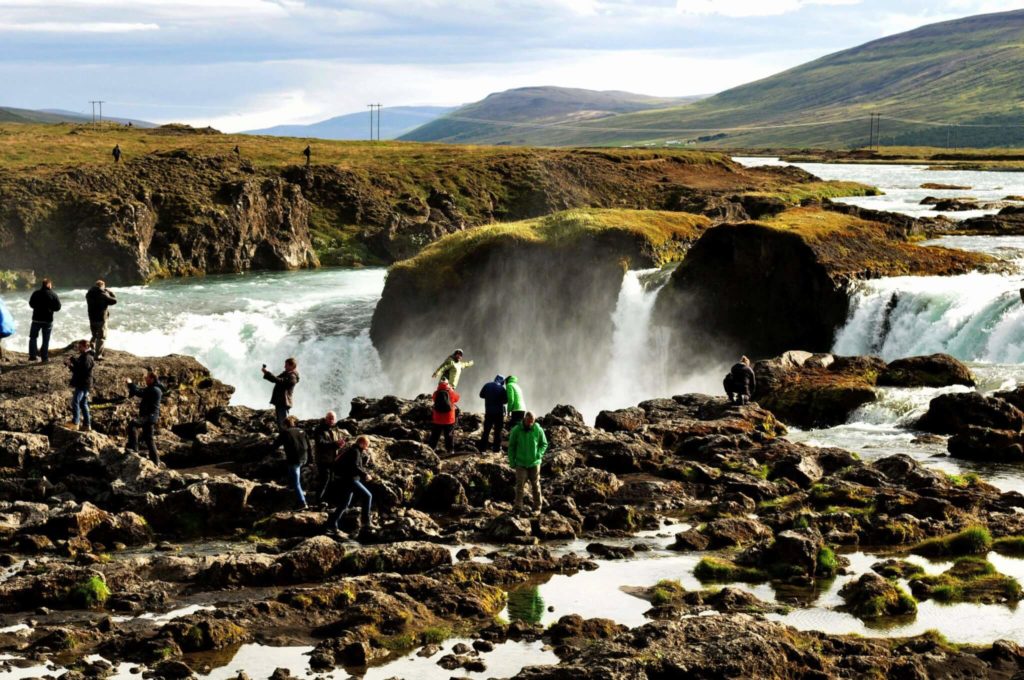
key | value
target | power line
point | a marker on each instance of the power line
(94, 102)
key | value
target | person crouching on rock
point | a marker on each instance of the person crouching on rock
(284, 387)
(297, 449)
(327, 439)
(443, 416)
(349, 475)
(526, 447)
(494, 396)
(741, 382)
(81, 382)
(149, 414)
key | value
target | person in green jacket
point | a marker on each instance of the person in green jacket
(452, 368)
(526, 447)
(516, 405)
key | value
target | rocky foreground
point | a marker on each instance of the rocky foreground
(92, 536)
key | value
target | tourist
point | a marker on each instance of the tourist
(516, 404)
(44, 302)
(149, 414)
(307, 152)
(6, 326)
(297, 448)
(741, 382)
(443, 416)
(327, 439)
(99, 300)
(284, 387)
(452, 367)
(116, 153)
(495, 397)
(348, 474)
(81, 382)
(527, 444)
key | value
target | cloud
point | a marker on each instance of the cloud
(76, 27)
(751, 8)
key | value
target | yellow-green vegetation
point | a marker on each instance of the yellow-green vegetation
(872, 597)
(666, 591)
(1009, 545)
(665, 234)
(796, 194)
(92, 592)
(974, 540)
(719, 570)
(828, 563)
(964, 481)
(970, 579)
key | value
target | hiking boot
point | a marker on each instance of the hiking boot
(85, 428)
(71, 426)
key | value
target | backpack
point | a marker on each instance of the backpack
(6, 322)
(443, 401)
(739, 374)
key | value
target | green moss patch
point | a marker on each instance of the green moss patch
(92, 592)
(970, 579)
(718, 570)
(971, 541)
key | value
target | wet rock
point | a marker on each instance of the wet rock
(872, 597)
(509, 528)
(312, 560)
(802, 470)
(282, 674)
(483, 646)
(552, 525)
(809, 392)
(17, 449)
(401, 558)
(442, 493)
(586, 485)
(953, 413)
(610, 552)
(987, 444)
(171, 669)
(936, 370)
(623, 420)
(732, 532)
(290, 524)
(795, 552)
(690, 540)
(203, 632)
(575, 626)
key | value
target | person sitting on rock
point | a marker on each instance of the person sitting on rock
(443, 416)
(527, 444)
(451, 369)
(327, 439)
(516, 403)
(348, 476)
(81, 382)
(284, 388)
(149, 414)
(741, 382)
(44, 302)
(494, 396)
(99, 300)
(297, 450)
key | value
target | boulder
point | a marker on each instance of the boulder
(952, 413)
(871, 597)
(936, 370)
(987, 444)
(18, 448)
(732, 532)
(623, 420)
(816, 390)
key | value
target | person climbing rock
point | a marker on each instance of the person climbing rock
(99, 299)
(116, 153)
(443, 416)
(527, 444)
(328, 438)
(495, 397)
(44, 302)
(516, 404)
(348, 476)
(149, 414)
(307, 152)
(452, 367)
(741, 382)
(297, 450)
(81, 367)
(284, 388)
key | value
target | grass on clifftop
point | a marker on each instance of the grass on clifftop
(666, 233)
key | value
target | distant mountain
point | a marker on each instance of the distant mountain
(9, 114)
(520, 116)
(395, 121)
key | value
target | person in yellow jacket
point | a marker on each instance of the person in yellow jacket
(526, 447)
(452, 368)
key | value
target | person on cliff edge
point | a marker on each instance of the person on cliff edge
(443, 416)
(451, 369)
(741, 382)
(527, 445)
(284, 388)
(81, 368)
(99, 300)
(44, 302)
(150, 397)
(495, 397)
(297, 450)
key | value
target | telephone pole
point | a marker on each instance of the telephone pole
(378, 122)
(374, 107)
(94, 102)
(875, 136)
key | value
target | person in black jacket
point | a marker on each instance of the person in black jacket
(81, 382)
(149, 414)
(349, 474)
(284, 387)
(99, 300)
(44, 302)
(741, 382)
(327, 439)
(297, 449)
(495, 397)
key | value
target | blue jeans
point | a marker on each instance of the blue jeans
(354, 486)
(80, 406)
(33, 334)
(295, 477)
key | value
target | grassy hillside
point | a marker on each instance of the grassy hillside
(395, 121)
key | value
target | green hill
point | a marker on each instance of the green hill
(968, 72)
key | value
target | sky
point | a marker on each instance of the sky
(246, 64)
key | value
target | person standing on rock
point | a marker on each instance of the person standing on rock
(349, 473)
(116, 153)
(741, 382)
(495, 397)
(81, 382)
(516, 403)
(328, 438)
(307, 152)
(149, 414)
(443, 416)
(44, 302)
(527, 444)
(451, 369)
(99, 300)
(284, 387)
(297, 450)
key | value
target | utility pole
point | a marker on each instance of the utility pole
(94, 102)
(878, 131)
(378, 122)
(374, 107)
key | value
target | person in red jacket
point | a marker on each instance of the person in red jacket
(443, 419)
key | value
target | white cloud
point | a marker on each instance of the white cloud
(751, 8)
(76, 27)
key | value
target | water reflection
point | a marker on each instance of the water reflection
(526, 604)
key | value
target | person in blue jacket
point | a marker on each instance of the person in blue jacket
(495, 397)
(6, 326)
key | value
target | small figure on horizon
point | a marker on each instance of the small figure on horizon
(81, 368)
(741, 382)
(443, 416)
(495, 396)
(349, 474)
(284, 387)
(307, 152)
(452, 367)
(297, 450)
(44, 302)
(328, 438)
(237, 151)
(116, 153)
(527, 445)
(516, 402)
(149, 414)
(99, 300)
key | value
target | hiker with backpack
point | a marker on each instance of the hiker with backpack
(297, 450)
(741, 382)
(348, 476)
(443, 416)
